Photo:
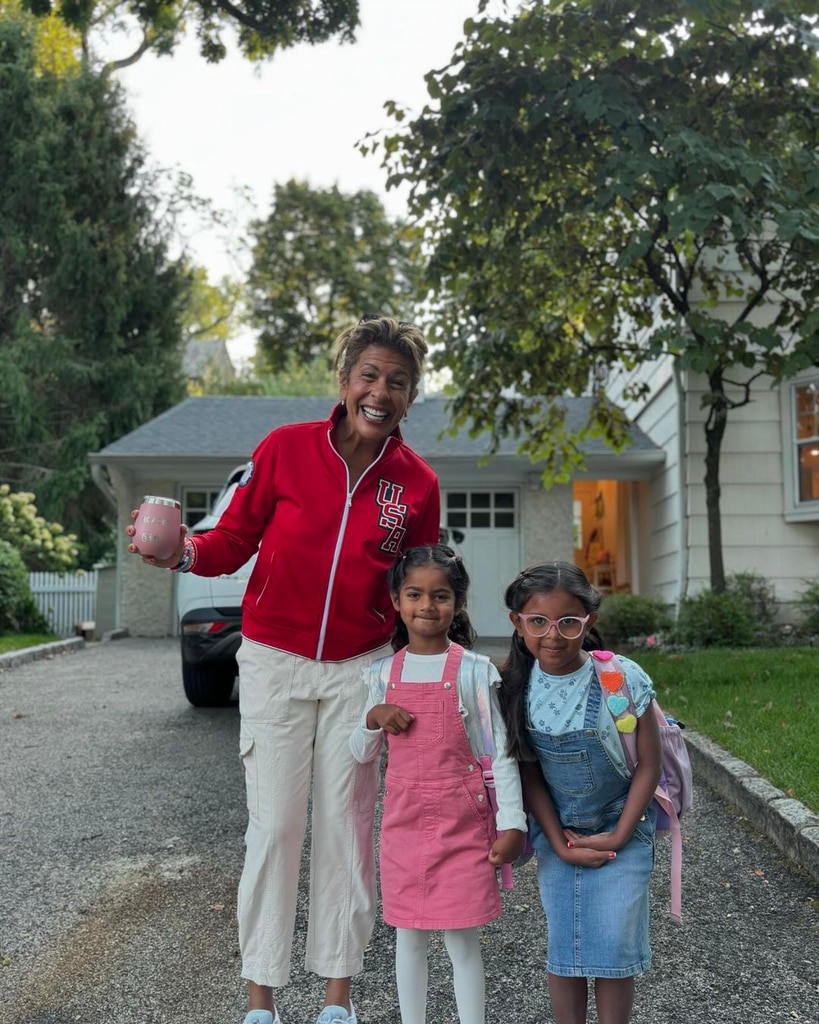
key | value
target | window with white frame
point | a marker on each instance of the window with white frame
(197, 502)
(481, 510)
(801, 453)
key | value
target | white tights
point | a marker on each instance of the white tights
(411, 972)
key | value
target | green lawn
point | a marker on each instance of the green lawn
(762, 705)
(19, 641)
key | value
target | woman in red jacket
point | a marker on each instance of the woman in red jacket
(328, 505)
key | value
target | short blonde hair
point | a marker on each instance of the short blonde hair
(398, 335)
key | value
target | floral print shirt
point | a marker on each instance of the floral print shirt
(557, 704)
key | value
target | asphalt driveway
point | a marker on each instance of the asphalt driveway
(121, 823)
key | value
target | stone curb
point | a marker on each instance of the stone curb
(14, 658)
(68, 646)
(789, 824)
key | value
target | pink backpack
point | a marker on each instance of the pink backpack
(673, 794)
(485, 761)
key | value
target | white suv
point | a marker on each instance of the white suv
(210, 617)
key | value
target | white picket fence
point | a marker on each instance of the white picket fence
(65, 598)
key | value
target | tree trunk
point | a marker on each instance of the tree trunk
(714, 433)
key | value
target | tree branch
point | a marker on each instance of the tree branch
(243, 19)
(126, 62)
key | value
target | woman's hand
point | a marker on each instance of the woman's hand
(390, 718)
(160, 563)
(507, 847)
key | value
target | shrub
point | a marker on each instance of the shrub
(44, 547)
(715, 620)
(624, 617)
(18, 612)
(759, 595)
(808, 604)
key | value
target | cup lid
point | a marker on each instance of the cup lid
(153, 499)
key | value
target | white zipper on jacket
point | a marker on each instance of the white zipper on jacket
(340, 536)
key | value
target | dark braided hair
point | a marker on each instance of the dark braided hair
(515, 671)
(442, 557)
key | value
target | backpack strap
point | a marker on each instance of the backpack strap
(667, 805)
(620, 704)
(485, 761)
(612, 678)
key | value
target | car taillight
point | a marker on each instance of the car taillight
(203, 627)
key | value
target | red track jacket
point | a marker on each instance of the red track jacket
(318, 588)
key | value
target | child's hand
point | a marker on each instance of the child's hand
(603, 842)
(586, 858)
(588, 851)
(507, 847)
(389, 717)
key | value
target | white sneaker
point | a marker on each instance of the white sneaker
(337, 1015)
(262, 1017)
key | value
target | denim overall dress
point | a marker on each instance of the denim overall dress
(597, 917)
(436, 826)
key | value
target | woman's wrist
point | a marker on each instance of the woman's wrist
(188, 559)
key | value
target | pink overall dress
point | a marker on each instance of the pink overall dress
(436, 827)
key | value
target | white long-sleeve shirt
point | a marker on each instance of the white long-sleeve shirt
(476, 674)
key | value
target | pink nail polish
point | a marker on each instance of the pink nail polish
(612, 854)
(570, 844)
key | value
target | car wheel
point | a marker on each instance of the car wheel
(210, 683)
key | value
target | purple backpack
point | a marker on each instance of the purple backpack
(673, 794)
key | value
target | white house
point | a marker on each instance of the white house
(769, 477)
(602, 519)
(769, 468)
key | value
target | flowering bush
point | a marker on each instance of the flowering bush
(43, 546)
(18, 612)
(648, 643)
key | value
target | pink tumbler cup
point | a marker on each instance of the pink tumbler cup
(157, 526)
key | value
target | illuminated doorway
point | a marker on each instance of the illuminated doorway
(603, 524)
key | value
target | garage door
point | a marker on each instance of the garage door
(489, 521)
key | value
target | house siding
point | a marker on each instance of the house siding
(755, 536)
(661, 509)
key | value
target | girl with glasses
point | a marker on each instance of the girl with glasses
(591, 822)
(439, 848)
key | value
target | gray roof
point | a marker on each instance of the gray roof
(232, 426)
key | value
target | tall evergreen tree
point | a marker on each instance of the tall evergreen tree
(90, 302)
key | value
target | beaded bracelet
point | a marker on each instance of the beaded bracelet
(185, 563)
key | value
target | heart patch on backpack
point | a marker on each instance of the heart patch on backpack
(611, 681)
(617, 704)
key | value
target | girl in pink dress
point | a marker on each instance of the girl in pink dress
(440, 842)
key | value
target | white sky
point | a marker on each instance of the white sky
(238, 125)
